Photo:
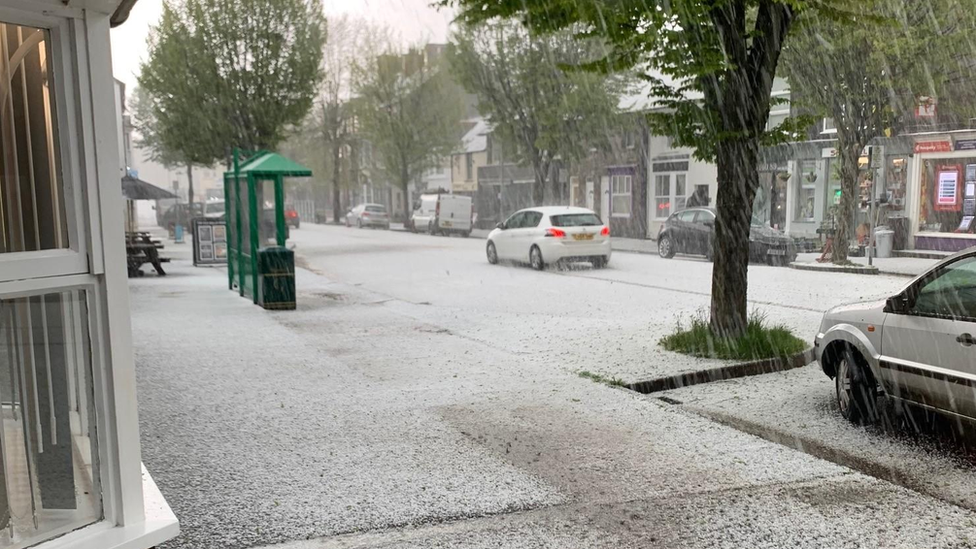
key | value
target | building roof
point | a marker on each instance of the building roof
(476, 139)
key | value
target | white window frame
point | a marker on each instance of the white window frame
(829, 126)
(83, 91)
(625, 184)
(65, 103)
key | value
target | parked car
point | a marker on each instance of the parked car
(916, 347)
(180, 214)
(543, 236)
(368, 215)
(443, 214)
(291, 218)
(692, 231)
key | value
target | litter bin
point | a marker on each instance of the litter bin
(276, 278)
(884, 238)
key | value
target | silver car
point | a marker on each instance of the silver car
(916, 347)
(368, 215)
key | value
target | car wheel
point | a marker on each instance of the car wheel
(856, 397)
(467, 234)
(665, 247)
(359, 223)
(431, 230)
(599, 262)
(535, 258)
(491, 253)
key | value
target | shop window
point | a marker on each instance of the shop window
(47, 438)
(32, 214)
(944, 186)
(806, 191)
(621, 189)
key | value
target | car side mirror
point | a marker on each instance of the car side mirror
(897, 305)
(708, 223)
(500, 226)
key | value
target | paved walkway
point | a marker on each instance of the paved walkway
(900, 266)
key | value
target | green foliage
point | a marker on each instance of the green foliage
(599, 378)
(409, 110)
(758, 342)
(229, 73)
(539, 107)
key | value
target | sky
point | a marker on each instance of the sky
(413, 20)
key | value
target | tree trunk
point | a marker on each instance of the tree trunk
(189, 189)
(540, 168)
(737, 184)
(847, 209)
(404, 185)
(336, 199)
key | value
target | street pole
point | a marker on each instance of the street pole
(871, 207)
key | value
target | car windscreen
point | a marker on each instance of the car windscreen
(376, 209)
(215, 207)
(576, 220)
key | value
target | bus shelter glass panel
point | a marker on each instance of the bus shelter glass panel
(48, 458)
(32, 210)
(244, 276)
(268, 229)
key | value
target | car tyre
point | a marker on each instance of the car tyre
(855, 388)
(535, 259)
(359, 223)
(492, 253)
(431, 229)
(665, 247)
(600, 262)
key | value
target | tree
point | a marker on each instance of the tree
(712, 65)
(346, 44)
(409, 111)
(173, 111)
(867, 77)
(538, 109)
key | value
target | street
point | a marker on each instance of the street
(420, 397)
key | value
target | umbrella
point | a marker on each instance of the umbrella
(137, 189)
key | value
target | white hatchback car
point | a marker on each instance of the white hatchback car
(547, 235)
(916, 347)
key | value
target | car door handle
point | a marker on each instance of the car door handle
(967, 340)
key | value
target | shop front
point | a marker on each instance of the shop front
(944, 186)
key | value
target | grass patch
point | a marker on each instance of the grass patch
(759, 342)
(612, 381)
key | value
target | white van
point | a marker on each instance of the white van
(443, 214)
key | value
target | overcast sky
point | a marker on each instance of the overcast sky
(413, 20)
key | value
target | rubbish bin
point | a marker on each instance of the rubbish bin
(276, 278)
(884, 238)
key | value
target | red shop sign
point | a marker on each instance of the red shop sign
(933, 146)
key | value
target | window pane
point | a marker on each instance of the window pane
(661, 185)
(48, 460)
(952, 294)
(31, 191)
(532, 219)
(662, 207)
(679, 185)
(621, 204)
(575, 220)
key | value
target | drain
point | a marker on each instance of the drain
(669, 400)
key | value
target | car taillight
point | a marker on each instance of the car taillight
(291, 213)
(605, 231)
(555, 233)
(365, 214)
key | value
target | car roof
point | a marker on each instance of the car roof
(558, 210)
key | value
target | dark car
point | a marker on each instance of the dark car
(692, 231)
(180, 214)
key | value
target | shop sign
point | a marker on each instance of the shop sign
(932, 146)
(829, 152)
(926, 107)
(966, 144)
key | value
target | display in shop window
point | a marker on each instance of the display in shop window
(947, 189)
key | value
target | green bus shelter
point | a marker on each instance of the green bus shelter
(254, 195)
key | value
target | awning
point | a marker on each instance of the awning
(137, 189)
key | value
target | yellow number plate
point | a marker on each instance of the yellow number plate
(446, 223)
(584, 236)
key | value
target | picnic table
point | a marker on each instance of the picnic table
(141, 248)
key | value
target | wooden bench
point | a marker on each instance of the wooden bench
(141, 248)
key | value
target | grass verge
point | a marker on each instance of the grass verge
(760, 341)
(612, 381)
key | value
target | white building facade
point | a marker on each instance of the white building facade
(69, 439)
